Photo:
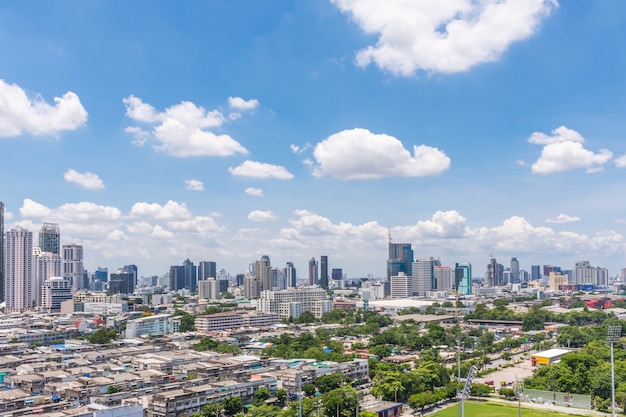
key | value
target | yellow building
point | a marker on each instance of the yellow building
(557, 280)
(548, 357)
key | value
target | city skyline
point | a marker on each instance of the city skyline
(307, 129)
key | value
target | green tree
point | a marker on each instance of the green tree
(187, 323)
(263, 410)
(326, 383)
(309, 390)
(341, 401)
(420, 400)
(388, 386)
(281, 396)
(232, 405)
(480, 390)
(102, 336)
(112, 389)
(261, 395)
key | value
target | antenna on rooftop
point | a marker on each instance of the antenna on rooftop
(389, 228)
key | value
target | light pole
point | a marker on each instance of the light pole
(612, 336)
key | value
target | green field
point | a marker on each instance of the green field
(476, 409)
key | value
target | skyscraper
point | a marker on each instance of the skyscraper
(207, 269)
(2, 249)
(50, 238)
(423, 273)
(324, 272)
(73, 266)
(313, 277)
(190, 275)
(290, 275)
(514, 270)
(46, 265)
(264, 272)
(131, 269)
(535, 272)
(463, 278)
(400, 259)
(18, 284)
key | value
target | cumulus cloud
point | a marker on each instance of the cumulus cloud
(182, 130)
(442, 36)
(298, 150)
(32, 209)
(560, 134)
(254, 169)
(171, 210)
(87, 180)
(262, 216)
(21, 114)
(564, 151)
(361, 154)
(620, 162)
(194, 185)
(563, 218)
(256, 192)
(241, 104)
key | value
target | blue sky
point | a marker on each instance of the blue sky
(158, 131)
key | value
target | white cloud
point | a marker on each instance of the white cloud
(194, 185)
(87, 180)
(262, 216)
(620, 162)
(564, 151)
(565, 156)
(255, 169)
(22, 114)
(300, 150)
(171, 210)
(360, 154)
(256, 192)
(563, 218)
(32, 209)
(182, 130)
(560, 134)
(442, 36)
(241, 104)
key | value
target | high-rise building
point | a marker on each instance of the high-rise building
(207, 269)
(252, 286)
(209, 289)
(336, 274)
(131, 269)
(290, 275)
(400, 259)
(494, 274)
(423, 273)
(264, 272)
(2, 249)
(54, 291)
(463, 278)
(324, 272)
(73, 268)
(535, 272)
(101, 274)
(46, 265)
(183, 276)
(50, 238)
(514, 271)
(313, 277)
(19, 276)
(444, 277)
(122, 283)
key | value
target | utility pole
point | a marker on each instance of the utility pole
(612, 336)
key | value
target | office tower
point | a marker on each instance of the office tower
(54, 291)
(535, 272)
(131, 269)
(101, 274)
(177, 278)
(514, 271)
(252, 286)
(207, 269)
(401, 286)
(493, 276)
(507, 277)
(50, 238)
(324, 272)
(337, 274)
(263, 270)
(313, 277)
(239, 279)
(46, 265)
(423, 273)
(523, 276)
(463, 278)
(209, 289)
(2, 249)
(191, 275)
(400, 259)
(290, 275)
(122, 283)
(19, 276)
(73, 265)
(444, 277)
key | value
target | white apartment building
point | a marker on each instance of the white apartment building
(54, 291)
(234, 320)
(152, 325)
(401, 286)
(314, 300)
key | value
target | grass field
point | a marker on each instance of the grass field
(478, 409)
